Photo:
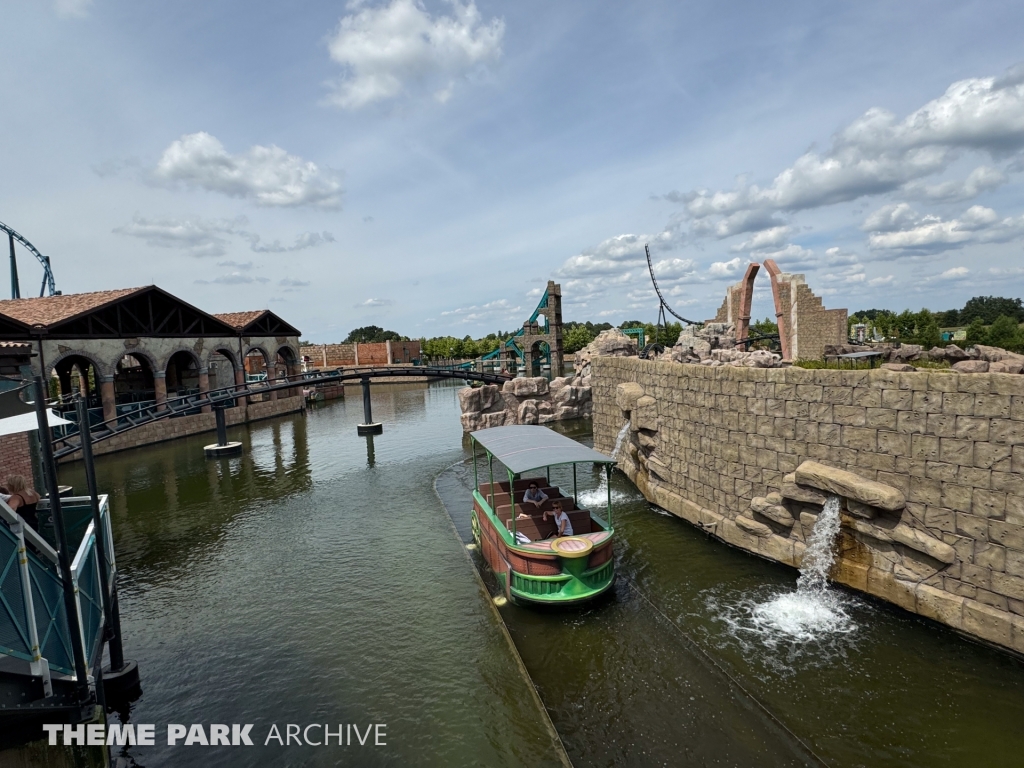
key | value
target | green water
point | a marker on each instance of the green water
(318, 579)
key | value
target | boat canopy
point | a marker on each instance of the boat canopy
(522, 447)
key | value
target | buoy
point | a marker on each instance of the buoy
(500, 601)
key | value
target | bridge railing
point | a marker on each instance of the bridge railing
(34, 627)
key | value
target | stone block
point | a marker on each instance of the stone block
(973, 428)
(976, 575)
(993, 406)
(829, 434)
(1017, 633)
(1008, 585)
(777, 548)
(937, 604)
(990, 504)
(1006, 432)
(893, 443)
(898, 399)
(884, 585)
(958, 403)
(627, 394)
(971, 526)
(910, 422)
(863, 511)
(859, 438)
(848, 484)
(941, 424)
(974, 477)
(940, 519)
(881, 418)
(987, 622)
(940, 470)
(923, 542)
(753, 527)
(852, 574)
(956, 451)
(924, 490)
(924, 447)
(927, 402)
(850, 416)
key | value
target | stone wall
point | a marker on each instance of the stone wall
(721, 447)
(183, 426)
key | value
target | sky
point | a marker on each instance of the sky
(428, 165)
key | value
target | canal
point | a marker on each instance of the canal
(319, 579)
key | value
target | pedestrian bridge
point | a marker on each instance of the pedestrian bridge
(70, 443)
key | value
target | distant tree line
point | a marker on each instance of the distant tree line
(989, 320)
(372, 334)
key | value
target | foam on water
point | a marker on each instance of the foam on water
(814, 614)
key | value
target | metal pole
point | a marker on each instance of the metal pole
(490, 466)
(222, 427)
(70, 606)
(110, 613)
(476, 478)
(512, 499)
(367, 413)
(15, 288)
(608, 482)
(575, 494)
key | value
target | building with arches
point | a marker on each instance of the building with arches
(131, 346)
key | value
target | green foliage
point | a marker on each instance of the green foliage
(927, 332)
(991, 308)
(977, 333)
(576, 338)
(370, 334)
(1006, 333)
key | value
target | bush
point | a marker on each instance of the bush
(976, 333)
(576, 338)
(1005, 333)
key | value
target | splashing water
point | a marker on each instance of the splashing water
(810, 623)
(814, 608)
(620, 439)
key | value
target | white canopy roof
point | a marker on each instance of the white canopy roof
(27, 422)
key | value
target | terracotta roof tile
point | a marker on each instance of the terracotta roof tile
(16, 346)
(50, 310)
(239, 320)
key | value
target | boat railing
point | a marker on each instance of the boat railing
(34, 625)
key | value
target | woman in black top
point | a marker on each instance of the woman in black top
(23, 500)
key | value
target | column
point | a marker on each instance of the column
(387, 344)
(273, 378)
(356, 346)
(107, 398)
(160, 389)
(240, 382)
(204, 387)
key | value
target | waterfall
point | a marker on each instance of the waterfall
(814, 609)
(620, 439)
(818, 557)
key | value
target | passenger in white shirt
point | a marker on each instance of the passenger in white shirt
(564, 527)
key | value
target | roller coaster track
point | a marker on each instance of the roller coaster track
(180, 406)
(657, 290)
(44, 260)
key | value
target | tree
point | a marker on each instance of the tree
(370, 334)
(976, 333)
(1005, 333)
(989, 308)
(576, 338)
(928, 335)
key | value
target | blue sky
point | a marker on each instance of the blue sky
(428, 166)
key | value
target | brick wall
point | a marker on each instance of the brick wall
(15, 457)
(711, 440)
(345, 355)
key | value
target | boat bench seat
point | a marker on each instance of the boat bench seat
(521, 485)
(504, 512)
(501, 499)
(536, 528)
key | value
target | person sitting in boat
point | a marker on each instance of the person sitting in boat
(535, 496)
(22, 499)
(563, 526)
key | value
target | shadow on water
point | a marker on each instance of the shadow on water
(303, 583)
(627, 682)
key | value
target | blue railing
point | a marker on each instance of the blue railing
(33, 620)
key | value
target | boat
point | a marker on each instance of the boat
(532, 565)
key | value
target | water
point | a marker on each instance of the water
(813, 611)
(619, 440)
(318, 579)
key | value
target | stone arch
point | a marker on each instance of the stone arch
(64, 368)
(540, 352)
(102, 369)
(222, 367)
(182, 373)
(134, 377)
(257, 362)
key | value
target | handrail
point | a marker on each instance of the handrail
(11, 517)
(179, 405)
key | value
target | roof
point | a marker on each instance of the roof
(50, 310)
(239, 319)
(16, 346)
(521, 448)
(259, 322)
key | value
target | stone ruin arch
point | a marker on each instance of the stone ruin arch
(805, 326)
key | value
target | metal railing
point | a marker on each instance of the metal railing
(34, 624)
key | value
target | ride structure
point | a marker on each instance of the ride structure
(663, 306)
(532, 563)
(48, 283)
(537, 343)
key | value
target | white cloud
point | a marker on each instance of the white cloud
(374, 304)
(235, 264)
(495, 311)
(267, 176)
(384, 49)
(72, 8)
(767, 238)
(955, 272)
(234, 278)
(725, 268)
(290, 282)
(877, 281)
(900, 228)
(210, 237)
(984, 178)
(876, 154)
